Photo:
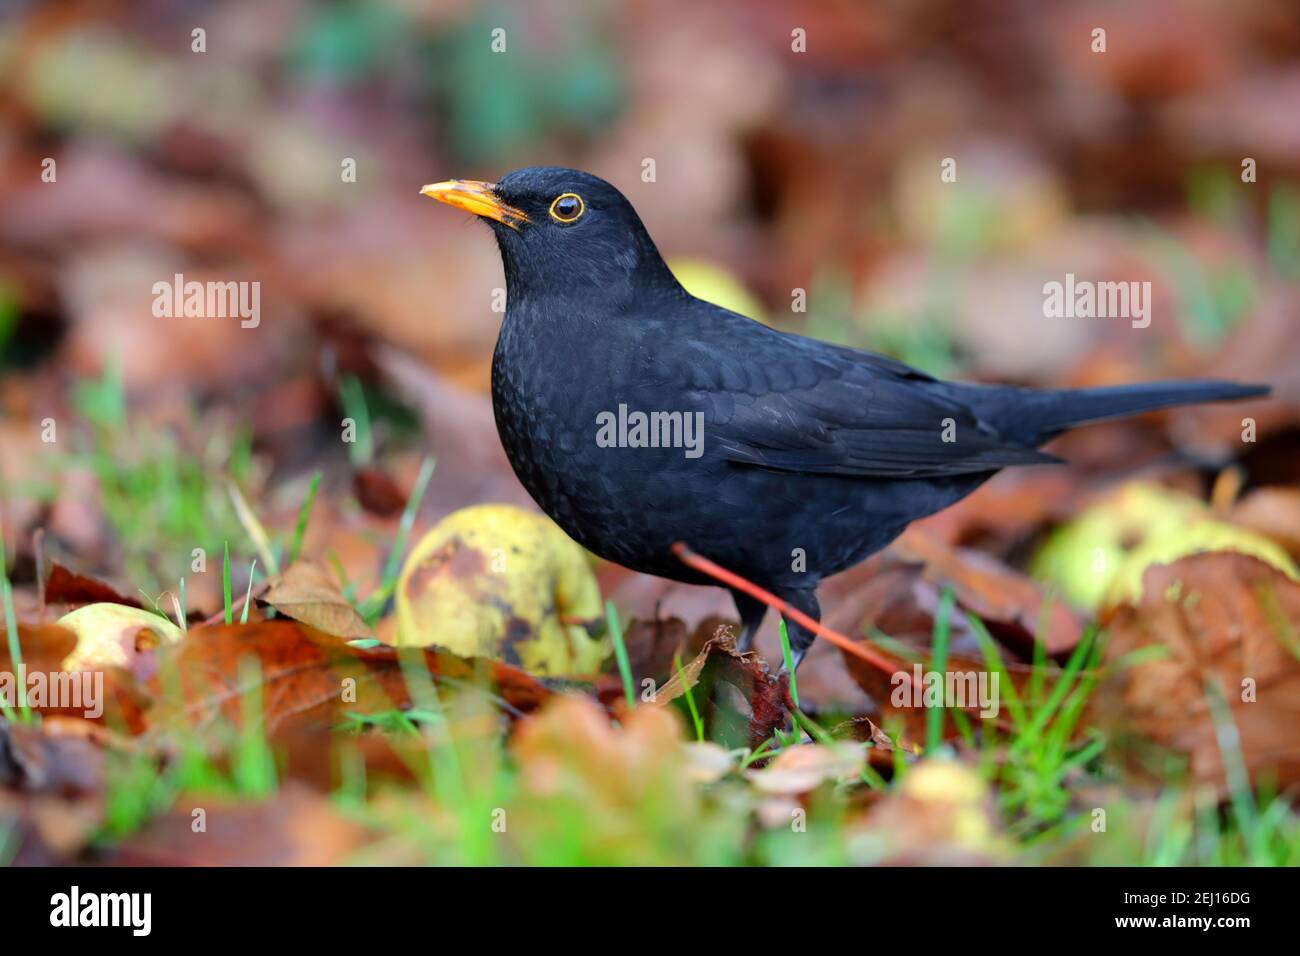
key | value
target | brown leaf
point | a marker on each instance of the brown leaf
(302, 674)
(863, 730)
(51, 788)
(306, 592)
(719, 662)
(652, 644)
(801, 769)
(940, 815)
(43, 646)
(1227, 619)
(1272, 512)
(68, 587)
(55, 756)
(899, 600)
(295, 827)
(44, 649)
(629, 786)
(1008, 602)
(378, 493)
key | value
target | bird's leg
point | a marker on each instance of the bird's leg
(801, 638)
(752, 612)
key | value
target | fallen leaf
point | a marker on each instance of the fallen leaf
(377, 492)
(719, 662)
(1273, 512)
(940, 815)
(901, 601)
(1228, 621)
(295, 827)
(1009, 603)
(708, 762)
(68, 587)
(802, 769)
(306, 592)
(43, 647)
(612, 793)
(310, 679)
(51, 789)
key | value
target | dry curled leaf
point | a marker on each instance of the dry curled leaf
(310, 679)
(63, 586)
(804, 768)
(940, 815)
(1009, 603)
(306, 592)
(1226, 621)
(51, 788)
(719, 662)
(295, 827)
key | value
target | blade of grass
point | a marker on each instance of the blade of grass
(1036, 675)
(993, 661)
(620, 654)
(349, 589)
(248, 595)
(757, 753)
(814, 730)
(696, 720)
(225, 585)
(939, 665)
(178, 608)
(353, 396)
(1234, 765)
(253, 764)
(256, 531)
(787, 657)
(1043, 714)
(304, 512)
(11, 632)
(373, 605)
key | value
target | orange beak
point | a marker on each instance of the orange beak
(477, 198)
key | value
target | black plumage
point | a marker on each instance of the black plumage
(813, 456)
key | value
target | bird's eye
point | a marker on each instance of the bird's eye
(568, 207)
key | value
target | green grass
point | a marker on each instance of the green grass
(161, 496)
(353, 396)
(373, 606)
(12, 637)
(939, 664)
(304, 512)
(697, 722)
(1036, 768)
(140, 786)
(620, 654)
(248, 594)
(787, 658)
(227, 606)
(1030, 766)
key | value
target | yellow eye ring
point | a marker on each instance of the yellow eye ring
(567, 212)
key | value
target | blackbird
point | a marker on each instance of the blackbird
(637, 415)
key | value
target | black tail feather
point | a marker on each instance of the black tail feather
(1036, 416)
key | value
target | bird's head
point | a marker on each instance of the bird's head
(563, 233)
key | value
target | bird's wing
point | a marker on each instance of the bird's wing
(789, 403)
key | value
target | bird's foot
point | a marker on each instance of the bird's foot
(797, 655)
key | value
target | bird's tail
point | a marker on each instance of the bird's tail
(1033, 417)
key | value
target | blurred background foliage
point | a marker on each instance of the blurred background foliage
(779, 176)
